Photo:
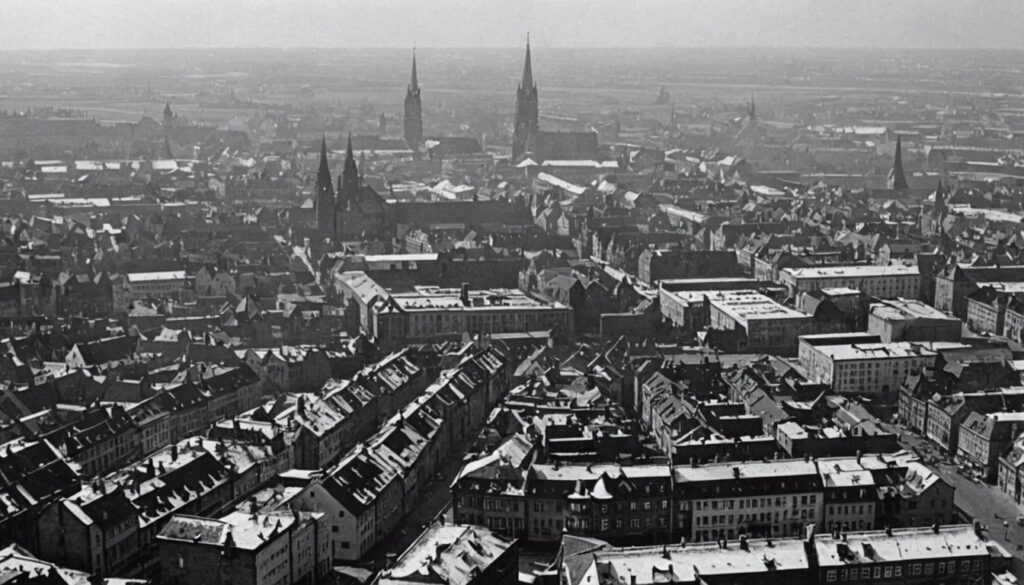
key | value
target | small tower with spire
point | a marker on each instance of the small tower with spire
(325, 205)
(897, 180)
(752, 111)
(413, 121)
(527, 117)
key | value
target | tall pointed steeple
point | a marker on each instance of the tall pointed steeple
(897, 180)
(939, 210)
(325, 206)
(168, 127)
(413, 120)
(752, 112)
(527, 66)
(415, 82)
(349, 178)
(527, 117)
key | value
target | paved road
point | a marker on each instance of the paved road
(977, 501)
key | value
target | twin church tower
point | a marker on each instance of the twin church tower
(334, 207)
(526, 116)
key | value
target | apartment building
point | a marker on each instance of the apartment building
(866, 368)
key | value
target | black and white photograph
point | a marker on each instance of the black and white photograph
(511, 292)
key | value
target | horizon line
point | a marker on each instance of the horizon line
(516, 47)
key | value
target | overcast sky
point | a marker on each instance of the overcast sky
(952, 24)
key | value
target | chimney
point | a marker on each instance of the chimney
(743, 543)
(464, 295)
(174, 452)
(935, 528)
(809, 533)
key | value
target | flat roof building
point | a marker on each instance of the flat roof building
(880, 281)
(768, 325)
(950, 554)
(435, 313)
(682, 300)
(958, 553)
(911, 320)
(865, 368)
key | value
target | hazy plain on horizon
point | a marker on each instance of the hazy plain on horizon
(152, 24)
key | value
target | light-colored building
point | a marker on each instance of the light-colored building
(770, 561)
(985, 437)
(774, 499)
(682, 299)
(277, 548)
(850, 498)
(911, 320)
(865, 368)
(431, 312)
(768, 325)
(885, 282)
(136, 286)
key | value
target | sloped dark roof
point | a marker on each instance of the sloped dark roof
(564, 145)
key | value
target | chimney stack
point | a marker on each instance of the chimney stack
(464, 295)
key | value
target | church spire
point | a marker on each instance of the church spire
(527, 81)
(415, 82)
(527, 115)
(897, 180)
(940, 199)
(324, 191)
(412, 122)
(349, 175)
(324, 172)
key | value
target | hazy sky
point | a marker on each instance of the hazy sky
(42, 24)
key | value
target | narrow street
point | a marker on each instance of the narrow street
(434, 500)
